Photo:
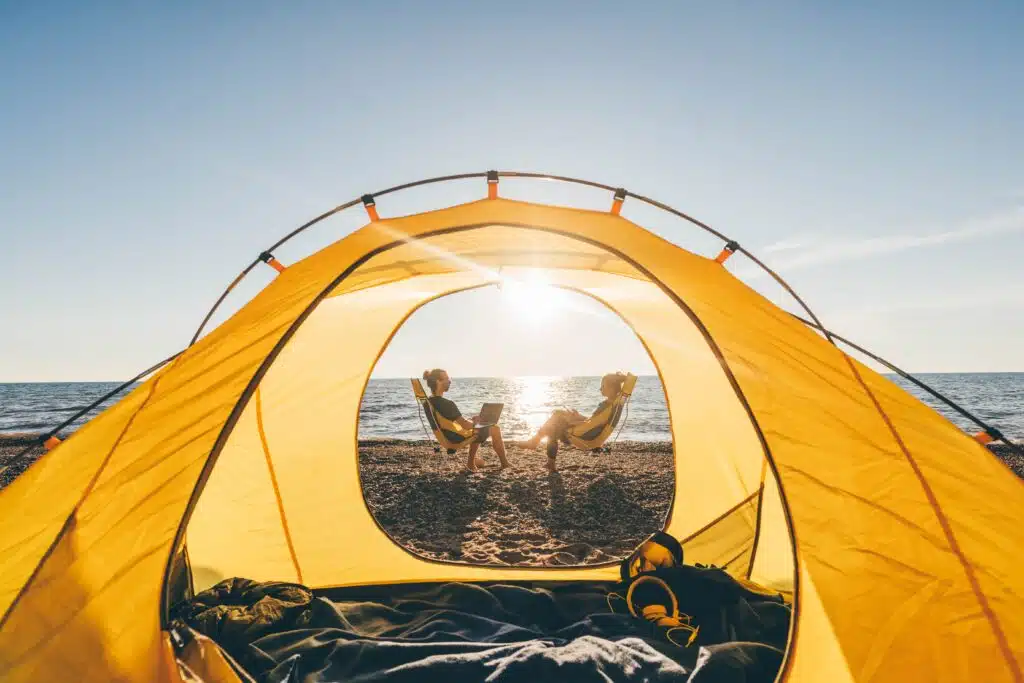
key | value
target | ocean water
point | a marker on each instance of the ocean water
(996, 398)
(389, 411)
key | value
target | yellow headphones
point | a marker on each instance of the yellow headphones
(656, 613)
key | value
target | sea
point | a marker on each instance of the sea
(389, 411)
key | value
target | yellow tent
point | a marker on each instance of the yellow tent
(798, 466)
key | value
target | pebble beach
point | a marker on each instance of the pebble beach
(595, 509)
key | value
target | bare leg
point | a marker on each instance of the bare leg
(552, 450)
(499, 445)
(472, 462)
(552, 429)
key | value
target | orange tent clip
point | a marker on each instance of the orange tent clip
(269, 259)
(728, 250)
(371, 207)
(620, 196)
(492, 184)
(984, 438)
(51, 443)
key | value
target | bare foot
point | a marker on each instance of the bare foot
(478, 463)
(551, 466)
(503, 465)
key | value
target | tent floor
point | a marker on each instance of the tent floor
(511, 631)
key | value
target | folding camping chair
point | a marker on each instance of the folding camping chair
(440, 424)
(592, 434)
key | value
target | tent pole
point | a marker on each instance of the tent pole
(618, 191)
(990, 430)
(224, 295)
(113, 392)
(431, 181)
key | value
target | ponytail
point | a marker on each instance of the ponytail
(432, 377)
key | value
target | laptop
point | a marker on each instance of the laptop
(489, 414)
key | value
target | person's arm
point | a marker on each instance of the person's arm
(460, 420)
(450, 411)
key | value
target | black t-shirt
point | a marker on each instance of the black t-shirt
(445, 407)
(448, 410)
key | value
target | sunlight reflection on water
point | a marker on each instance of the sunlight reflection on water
(389, 410)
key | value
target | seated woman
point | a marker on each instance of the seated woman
(561, 420)
(438, 382)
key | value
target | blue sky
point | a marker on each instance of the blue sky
(873, 154)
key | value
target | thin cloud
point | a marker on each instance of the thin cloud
(801, 252)
(790, 244)
(1010, 297)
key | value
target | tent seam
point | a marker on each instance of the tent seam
(54, 630)
(719, 518)
(947, 530)
(757, 526)
(273, 483)
(85, 494)
(735, 557)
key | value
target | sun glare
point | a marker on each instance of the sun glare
(530, 296)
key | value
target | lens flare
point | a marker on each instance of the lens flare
(530, 296)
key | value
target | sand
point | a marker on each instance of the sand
(596, 509)
(1013, 460)
(10, 446)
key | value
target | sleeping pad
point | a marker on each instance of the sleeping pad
(550, 631)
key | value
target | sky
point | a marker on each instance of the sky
(872, 153)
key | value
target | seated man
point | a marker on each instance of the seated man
(561, 420)
(438, 382)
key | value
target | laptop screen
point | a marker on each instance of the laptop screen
(490, 412)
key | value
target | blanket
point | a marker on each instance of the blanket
(284, 633)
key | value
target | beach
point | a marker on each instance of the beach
(596, 509)
(10, 446)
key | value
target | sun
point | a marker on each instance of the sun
(530, 296)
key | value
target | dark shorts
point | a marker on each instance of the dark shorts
(591, 434)
(480, 435)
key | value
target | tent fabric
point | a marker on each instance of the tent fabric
(907, 550)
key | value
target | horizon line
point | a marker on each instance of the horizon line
(406, 377)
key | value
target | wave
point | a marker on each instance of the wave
(389, 410)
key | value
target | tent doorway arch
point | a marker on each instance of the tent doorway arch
(381, 292)
(530, 382)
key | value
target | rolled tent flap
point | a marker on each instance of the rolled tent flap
(907, 549)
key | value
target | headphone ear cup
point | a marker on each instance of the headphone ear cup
(658, 550)
(669, 611)
(670, 543)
